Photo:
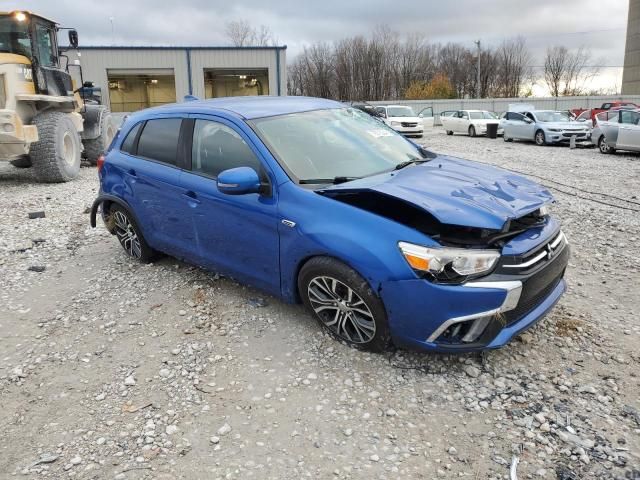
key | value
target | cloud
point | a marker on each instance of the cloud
(297, 23)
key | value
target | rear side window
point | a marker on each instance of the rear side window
(159, 140)
(129, 143)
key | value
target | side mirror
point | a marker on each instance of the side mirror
(238, 181)
(73, 38)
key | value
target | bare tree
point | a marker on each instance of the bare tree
(514, 66)
(242, 34)
(565, 72)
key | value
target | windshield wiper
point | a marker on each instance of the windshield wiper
(333, 181)
(413, 161)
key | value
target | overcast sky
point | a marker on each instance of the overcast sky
(597, 24)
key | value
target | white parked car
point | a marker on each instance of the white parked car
(402, 119)
(471, 122)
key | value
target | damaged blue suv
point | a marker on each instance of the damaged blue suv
(311, 201)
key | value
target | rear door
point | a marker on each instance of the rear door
(235, 234)
(515, 125)
(153, 176)
(629, 130)
(463, 122)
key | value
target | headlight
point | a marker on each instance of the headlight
(554, 129)
(449, 264)
(395, 124)
(543, 211)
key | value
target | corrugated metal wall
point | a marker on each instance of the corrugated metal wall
(96, 61)
(502, 104)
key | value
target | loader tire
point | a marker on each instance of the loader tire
(56, 154)
(97, 146)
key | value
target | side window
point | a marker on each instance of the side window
(381, 111)
(530, 116)
(628, 117)
(613, 116)
(129, 143)
(606, 106)
(44, 46)
(465, 115)
(159, 140)
(217, 147)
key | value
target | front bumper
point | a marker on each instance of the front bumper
(474, 316)
(418, 130)
(565, 136)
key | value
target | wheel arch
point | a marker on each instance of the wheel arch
(106, 201)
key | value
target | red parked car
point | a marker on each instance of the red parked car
(582, 115)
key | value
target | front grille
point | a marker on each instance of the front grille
(538, 286)
(574, 134)
(409, 124)
(534, 258)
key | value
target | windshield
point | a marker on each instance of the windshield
(14, 36)
(325, 144)
(482, 115)
(553, 117)
(400, 112)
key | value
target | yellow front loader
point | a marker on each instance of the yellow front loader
(45, 123)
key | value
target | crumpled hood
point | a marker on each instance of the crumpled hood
(458, 192)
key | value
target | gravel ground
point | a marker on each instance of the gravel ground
(115, 370)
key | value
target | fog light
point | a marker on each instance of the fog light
(7, 127)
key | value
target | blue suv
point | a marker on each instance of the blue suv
(316, 202)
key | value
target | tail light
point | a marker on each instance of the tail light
(100, 163)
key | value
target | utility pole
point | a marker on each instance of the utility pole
(113, 32)
(479, 90)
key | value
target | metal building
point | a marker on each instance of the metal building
(631, 73)
(132, 78)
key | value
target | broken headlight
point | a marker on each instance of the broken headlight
(449, 264)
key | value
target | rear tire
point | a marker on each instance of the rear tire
(125, 228)
(344, 304)
(540, 138)
(449, 132)
(472, 131)
(97, 146)
(507, 139)
(56, 154)
(22, 162)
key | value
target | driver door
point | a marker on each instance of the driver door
(426, 115)
(629, 130)
(233, 234)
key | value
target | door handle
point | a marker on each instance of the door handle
(132, 172)
(192, 197)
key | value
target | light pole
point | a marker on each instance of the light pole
(113, 34)
(479, 90)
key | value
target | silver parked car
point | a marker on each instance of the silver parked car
(543, 127)
(617, 130)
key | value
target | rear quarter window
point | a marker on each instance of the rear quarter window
(129, 143)
(159, 140)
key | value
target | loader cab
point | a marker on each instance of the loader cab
(35, 37)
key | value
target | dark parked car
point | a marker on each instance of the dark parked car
(318, 203)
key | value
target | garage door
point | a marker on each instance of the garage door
(134, 90)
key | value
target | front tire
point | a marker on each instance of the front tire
(604, 146)
(56, 154)
(507, 139)
(472, 131)
(540, 138)
(344, 304)
(449, 132)
(125, 228)
(97, 146)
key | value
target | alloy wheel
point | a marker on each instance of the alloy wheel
(604, 146)
(341, 309)
(127, 235)
(540, 138)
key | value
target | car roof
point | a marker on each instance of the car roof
(248, 107)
